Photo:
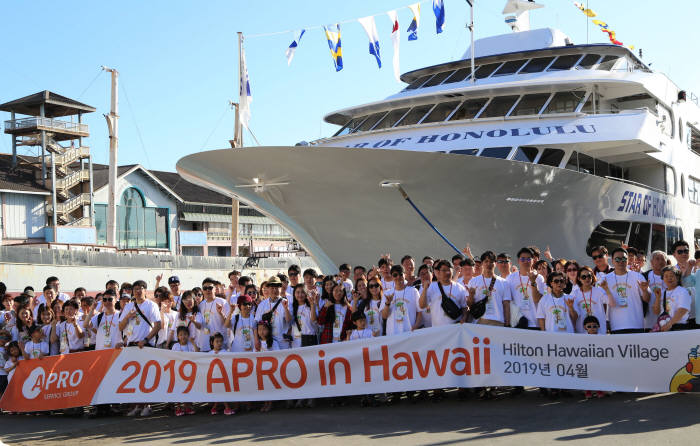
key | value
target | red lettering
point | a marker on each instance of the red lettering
(431, 357)
(302, 369)
(238, 374)
(384, 363)
(465, 359)
(322, 367)
(270, 373)
(346, 367)
(221, 379)
(407, 364)
(487, 357)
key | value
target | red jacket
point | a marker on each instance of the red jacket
(327, 322)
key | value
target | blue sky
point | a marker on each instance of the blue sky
(178, 61)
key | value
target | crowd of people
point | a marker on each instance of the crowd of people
(534, 291)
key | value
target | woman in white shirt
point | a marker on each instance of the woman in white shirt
(555, 311)
(676, 301)
(304, 329)
(588, 300)
(368, 299)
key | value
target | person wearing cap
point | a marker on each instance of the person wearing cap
(243, 326)
(174, 284)
(278, 309)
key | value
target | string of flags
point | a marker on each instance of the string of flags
(604, 27)
(332, 33)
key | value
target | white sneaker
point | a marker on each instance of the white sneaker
(147, 411)
(133, 412)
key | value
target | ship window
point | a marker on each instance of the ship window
(530, 104)
(588, 62)
(350, 126)
(465, 151)
(564, 102)
(572, 164)
(496, 152)
(608, 63)
(418, 82)
(564, 62)
(639, 236)
(658, 238)
(602, 169)
(616, 172)
(673, 234)
(586, 164)
(499, 106)
(526, 154)
(441, 112)
(536, 65)
(694, 190)
(609, 233)
(370, 122)
(694, 140)
(551, 157)
(509, 67)
(459, 75)
(670, 180)
(438, 78)
(415, 115)
(588, 106)
(390, 119)
(486, 70)
(468, 109)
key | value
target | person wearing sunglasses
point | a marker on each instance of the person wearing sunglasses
(674, 300)
(493, 288)
(105, 325)
(571, 269)
(280, 317)
(431, 296)
(684, 264)
(659, 261)
(599, 254)
(555, 311)
(626, 291)
(526, 287)
(214, 310)
(503, 265)
(589, 300)
(399, 306)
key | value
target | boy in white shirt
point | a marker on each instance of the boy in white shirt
(36, 348)
(69, 333)
(399, 307)
(491, 287)
(105, 325)
(432, 295)
(361, 331)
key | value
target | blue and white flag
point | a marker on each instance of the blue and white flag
(371, 29)
(244, 96)
(439, 10)
(293, 46)
(413, 27)
(333, 37)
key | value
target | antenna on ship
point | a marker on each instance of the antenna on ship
(519, 20)
(471, 31)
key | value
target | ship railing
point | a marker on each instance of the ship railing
(634, 183)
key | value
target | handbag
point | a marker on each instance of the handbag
(448, 305)
(663, 318)
(517, 320)
(479, 308)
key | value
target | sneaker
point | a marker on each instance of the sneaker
(588, 394)
(147, 411)
(133, 412)
(214, 411)
(189, 411)
(229, 412)
(179, 412)
(601, 394)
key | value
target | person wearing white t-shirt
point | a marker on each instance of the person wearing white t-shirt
(400, 305)
(304, 327)
(432, 296)
(491, 287)
(106, 324)
(675, 301)
(384, 265)
(294, 274)
(213, 310)
(658, 263)
(555, 311)
(681, 253)
(526, 287)
(280, 317)
(140, 327)
(425, 275)
(361, 331)
(69, 334)
(599, 254)
(626, 290)
(244, 326)
(36, 348)
(589, 300)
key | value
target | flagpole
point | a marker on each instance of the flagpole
(239, 123)
(238, 143)
(471, 29)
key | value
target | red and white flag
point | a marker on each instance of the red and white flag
(393, 16)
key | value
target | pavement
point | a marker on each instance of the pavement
(623, 418)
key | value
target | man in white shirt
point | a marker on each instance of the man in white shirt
(599, 255)
(681, 253)
(466, 271)
(432, 295)
(214, 310)
(385, 264)
(294, 273)
(653, 276)
(280, 317)
(399, 306)
(491, 287)
(503, 265)
(106, 324)
(526, 287)
(344, 279)
(140, 326)
(626, 290)
(233, 290)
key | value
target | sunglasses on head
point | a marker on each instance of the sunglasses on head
(558, 281)
(107, 299)
(682, 251)
(620, 259)
(599, 256)
(585, 276)
(374, 285)
(207, 288)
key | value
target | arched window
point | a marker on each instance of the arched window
(132, 197)
(139, 226)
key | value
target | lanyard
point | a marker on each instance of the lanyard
(523, 287)
(556, 307)
(589, 304)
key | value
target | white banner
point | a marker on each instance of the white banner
(441, 357)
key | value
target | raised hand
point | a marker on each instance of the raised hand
(467, 251)
(644, 286)
(657, 292)
(219, 308)
(548, 254)
(532, 276)
(604, 284)
(285, 304)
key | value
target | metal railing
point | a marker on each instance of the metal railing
(47, 123)
(72, 179)
(71, 204)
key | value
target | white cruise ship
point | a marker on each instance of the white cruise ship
(551, 143)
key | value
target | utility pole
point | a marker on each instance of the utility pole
(113, 128)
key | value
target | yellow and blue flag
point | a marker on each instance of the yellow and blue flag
(333, 36)
(413, 27)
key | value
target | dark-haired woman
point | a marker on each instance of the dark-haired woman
(335, 316)
(571, 269)
(676, 301)
(304, 318)
(188, 316)
(589, 300)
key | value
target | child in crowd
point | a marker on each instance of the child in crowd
(4, 339)
(184, 344)
(36, 348)
(14, 355)
(361, 331)
(48, 321)
(591, 325)
(267, 343)
(217, 347)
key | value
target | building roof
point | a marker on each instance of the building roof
(190, 192)
(20, 179)
(54, 105)
(100, 174)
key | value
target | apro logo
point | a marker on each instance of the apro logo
(38, 381)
